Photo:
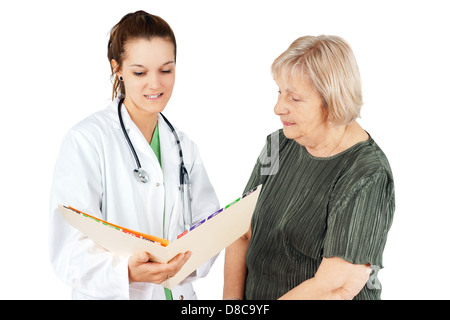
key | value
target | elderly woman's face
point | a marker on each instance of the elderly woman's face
(300, 109)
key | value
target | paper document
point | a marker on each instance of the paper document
(205, 239)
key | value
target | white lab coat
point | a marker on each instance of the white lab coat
(94, 173)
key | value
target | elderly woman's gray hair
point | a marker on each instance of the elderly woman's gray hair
(332, 68)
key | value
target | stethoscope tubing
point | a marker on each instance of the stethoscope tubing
(136, 158)
(142, 175)
(183, 171)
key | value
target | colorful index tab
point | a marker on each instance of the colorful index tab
(163, 242)
(231, 203)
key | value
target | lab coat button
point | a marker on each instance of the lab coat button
(157, 184)
(181, 297)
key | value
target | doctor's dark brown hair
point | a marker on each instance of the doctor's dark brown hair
(137, 25)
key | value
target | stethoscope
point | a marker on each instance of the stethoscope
(142, 176)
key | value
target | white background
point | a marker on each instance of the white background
(54, 72)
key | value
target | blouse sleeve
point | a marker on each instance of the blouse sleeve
(358, 223)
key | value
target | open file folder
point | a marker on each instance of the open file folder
(205, 239)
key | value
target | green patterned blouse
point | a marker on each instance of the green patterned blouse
(310, 208)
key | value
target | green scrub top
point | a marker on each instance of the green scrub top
(156, 147)
(154, 144)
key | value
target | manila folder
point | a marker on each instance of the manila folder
(205, 239)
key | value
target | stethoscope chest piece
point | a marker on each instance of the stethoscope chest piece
(141, 175)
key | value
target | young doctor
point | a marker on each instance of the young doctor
(128, 165)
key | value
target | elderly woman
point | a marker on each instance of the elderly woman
(320, 225)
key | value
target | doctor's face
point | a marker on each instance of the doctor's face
(148, 71)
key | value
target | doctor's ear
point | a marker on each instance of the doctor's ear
(117, 79)
(115, 67)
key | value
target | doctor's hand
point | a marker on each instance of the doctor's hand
(140, 269)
